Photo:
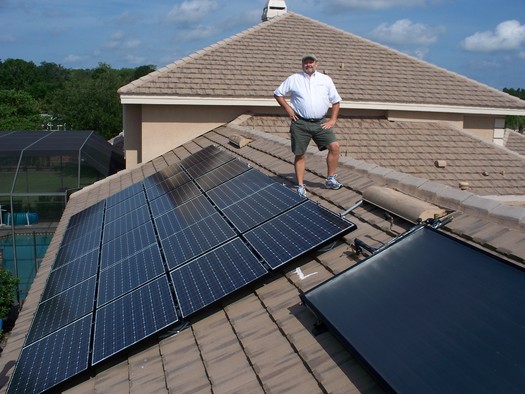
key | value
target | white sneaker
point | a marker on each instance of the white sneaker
(301, 190)
(331, 183)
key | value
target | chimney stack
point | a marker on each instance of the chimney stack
(273, 8)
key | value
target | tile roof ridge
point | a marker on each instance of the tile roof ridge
(199, 53)
(502, 148)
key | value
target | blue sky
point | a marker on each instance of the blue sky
(483, 40)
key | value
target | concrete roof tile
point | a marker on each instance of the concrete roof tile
(146, 372)
(262, 339)
(370, 72)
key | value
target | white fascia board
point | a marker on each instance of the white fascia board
(270, 102)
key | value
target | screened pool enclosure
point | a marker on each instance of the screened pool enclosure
(39, 170)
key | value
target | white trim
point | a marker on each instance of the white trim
(270, 102)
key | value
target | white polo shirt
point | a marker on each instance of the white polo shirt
(311, 96)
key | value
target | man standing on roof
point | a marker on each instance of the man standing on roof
(312, 93)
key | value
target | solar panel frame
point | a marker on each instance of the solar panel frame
(124, 194)
(70, 274)
(62, 309)
(92, 215)
(65, 353)
(147, 310)
(296, 232)
(174, 198)
(122, 208)
(81, 247)
(125, 223)
(430, 313)
(196, 239)
(129, 273)
(183, 216)
(221, 174)
(199, 156)
(261, 206)
(238, 188)
(215, 275)
(159, 188)
(129, 243)
(209, 164)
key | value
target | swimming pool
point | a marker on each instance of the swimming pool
(30, 249)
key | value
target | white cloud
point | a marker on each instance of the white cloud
(132, 44)
(509, 35)
(198, 33)
(134, 59)
(374, 4)
(192, 10)
(405, 32)
(73, 59)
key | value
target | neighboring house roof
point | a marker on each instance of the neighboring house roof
(251, 64)
(515, 142)
(431, 150)
(261, 339)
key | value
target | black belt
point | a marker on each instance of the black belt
(310, 120)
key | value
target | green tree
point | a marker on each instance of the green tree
(89, 101)
(512, 121)
(17, 74)
(19, 111)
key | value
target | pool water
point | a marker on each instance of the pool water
(30, 249)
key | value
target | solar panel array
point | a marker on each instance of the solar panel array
(158, 252)
(430, 314)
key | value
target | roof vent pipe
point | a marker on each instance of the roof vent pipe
(273, 8)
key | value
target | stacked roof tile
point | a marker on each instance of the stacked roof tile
(251, 64)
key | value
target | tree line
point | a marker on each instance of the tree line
(49, 96)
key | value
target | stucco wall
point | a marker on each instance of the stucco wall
(163, 128)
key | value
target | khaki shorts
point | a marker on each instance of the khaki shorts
(303, 131)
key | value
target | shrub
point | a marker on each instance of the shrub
(8, 286)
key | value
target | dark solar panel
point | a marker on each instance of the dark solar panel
(90, 239)
(167, 172)
(209, 164)
(78, 247)
(125, 206)
(127, 244)
(53, 359)
(90, 217)
(174, 198)
(261, 206)
(221, 174)
(238, 188)
(196, 239)
(183, 216)
(431, 313)
(133, 317)
(201, 155)
(126, 222)
(296, 232)
(129, 274)
(156, 187)
(62, 309)
(124, 194)
(215, 275)
(70, 274)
